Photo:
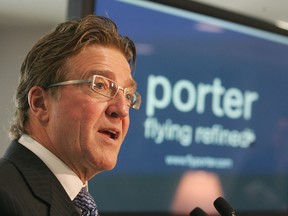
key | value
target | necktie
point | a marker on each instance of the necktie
(86, 203)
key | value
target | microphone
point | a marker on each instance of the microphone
(223, 207)
(198, 212)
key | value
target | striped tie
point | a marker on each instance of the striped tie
(86, 203)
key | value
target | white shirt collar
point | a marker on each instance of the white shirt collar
(69, 180)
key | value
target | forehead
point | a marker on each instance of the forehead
(107, 60)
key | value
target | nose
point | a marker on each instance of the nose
(118, 107)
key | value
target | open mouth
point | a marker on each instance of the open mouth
(111, 134)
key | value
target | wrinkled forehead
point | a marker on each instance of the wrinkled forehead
(100, 60)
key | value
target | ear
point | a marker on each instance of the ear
(38, 103)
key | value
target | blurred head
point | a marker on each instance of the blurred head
(80, 126)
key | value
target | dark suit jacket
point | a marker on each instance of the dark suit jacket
(28, 187)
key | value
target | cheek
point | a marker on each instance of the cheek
(125, 126)
(77, 118)
(91, 117)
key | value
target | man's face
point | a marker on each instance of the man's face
(86, 129)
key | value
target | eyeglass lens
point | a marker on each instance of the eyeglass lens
(110, 88)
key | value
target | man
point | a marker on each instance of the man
(72, 116)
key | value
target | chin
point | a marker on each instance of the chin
(110, 166)
(105, 165)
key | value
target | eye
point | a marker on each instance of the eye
(131, 97)
(128, 97)
(101, 85)
(128, 94)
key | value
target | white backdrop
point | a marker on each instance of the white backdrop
(18, 32)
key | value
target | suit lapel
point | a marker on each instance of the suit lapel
(43, 183)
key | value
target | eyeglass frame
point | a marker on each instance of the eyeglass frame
(72, 82)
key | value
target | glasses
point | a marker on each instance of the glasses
(107, 88)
